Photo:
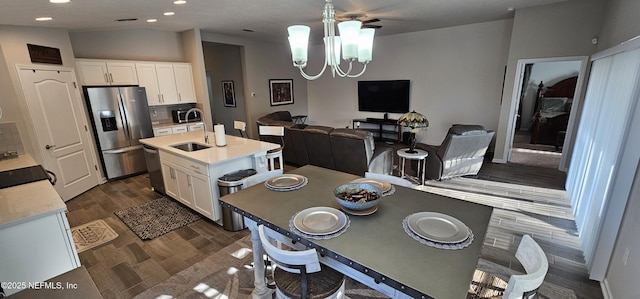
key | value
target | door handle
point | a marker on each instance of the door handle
(49, 146)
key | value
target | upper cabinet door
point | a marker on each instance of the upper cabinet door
(184, 82)
(122, 73)
(167, 83)
(92, 72)
(105, 72)
(149, 80)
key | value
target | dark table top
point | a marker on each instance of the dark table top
(378, 242)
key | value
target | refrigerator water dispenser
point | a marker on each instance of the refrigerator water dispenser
(108, 120)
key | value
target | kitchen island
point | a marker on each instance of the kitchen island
(36, 241)
(190, 174)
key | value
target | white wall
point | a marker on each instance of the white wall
(456, 77)
(261, 62)
(556, 30)
(128, 44)
(620, 24)
(223, 63)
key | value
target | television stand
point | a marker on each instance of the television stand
(382, 129)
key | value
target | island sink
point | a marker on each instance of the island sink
(190, 146)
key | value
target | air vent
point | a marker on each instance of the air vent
(127, 20)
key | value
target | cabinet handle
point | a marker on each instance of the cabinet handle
(195, 167)
(106, 78)
(159, 99)
(189, 180)
(179, 97)
(111, 77)
(162, 96)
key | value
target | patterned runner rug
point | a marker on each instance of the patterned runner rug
(156, 218)
(92, 234)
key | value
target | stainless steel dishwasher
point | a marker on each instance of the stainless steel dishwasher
(154, 168)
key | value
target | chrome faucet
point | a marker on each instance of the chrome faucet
(186, 118)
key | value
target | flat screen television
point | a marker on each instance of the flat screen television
(389, 96)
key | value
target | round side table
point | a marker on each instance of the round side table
(419, 155)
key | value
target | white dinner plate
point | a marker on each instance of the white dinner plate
(285, 181)
(438, 227)
(384, 186)
(320, 221)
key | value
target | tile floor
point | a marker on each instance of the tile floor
(127, 266)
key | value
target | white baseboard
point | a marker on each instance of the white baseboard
(606, 289)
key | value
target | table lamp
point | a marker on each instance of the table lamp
(414, 121)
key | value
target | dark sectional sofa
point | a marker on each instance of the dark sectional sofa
(347, 150)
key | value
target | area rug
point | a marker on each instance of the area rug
(228, 274)
(92, 234)
(156, 218)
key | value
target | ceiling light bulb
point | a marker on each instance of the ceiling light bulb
(59, 1)
(152, 20)
(169, 13)
(40, 19)
(180, 2)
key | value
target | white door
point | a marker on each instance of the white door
(61, 128)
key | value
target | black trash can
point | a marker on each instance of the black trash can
(231, 183)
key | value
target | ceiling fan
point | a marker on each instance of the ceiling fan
(366, 23)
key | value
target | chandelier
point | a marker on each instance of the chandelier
(354, 42)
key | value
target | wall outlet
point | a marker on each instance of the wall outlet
(253, 94)
(625, 256)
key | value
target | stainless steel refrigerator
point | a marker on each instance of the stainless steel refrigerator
(120, 117)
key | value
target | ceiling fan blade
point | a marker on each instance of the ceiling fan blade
(371, 21)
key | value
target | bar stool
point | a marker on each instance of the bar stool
(241, 127)
(274, 154)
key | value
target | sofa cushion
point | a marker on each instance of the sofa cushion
(316, 140)
(458, 129)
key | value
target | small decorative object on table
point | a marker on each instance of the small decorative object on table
(414, 121)
(358, 197)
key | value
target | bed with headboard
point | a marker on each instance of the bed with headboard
(552, 110)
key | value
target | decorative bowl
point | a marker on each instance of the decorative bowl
(359, 196)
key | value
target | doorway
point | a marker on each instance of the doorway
(544, 121)
(225, 82)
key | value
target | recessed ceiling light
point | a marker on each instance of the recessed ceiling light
(59, 1)
(41, 19)
(152, 20)
(169, 13)
(180, 2)
(510, 9)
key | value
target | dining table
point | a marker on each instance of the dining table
(375, 249)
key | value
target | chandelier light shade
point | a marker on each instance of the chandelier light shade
(414, 121)
(353, 44)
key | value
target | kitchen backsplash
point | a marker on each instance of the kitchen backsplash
(10, 139)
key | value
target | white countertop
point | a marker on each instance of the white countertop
(236, 147)
(24, 202)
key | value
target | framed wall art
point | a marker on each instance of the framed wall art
(228, 94)
(281, 91)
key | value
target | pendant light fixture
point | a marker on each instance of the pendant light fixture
(354, 42)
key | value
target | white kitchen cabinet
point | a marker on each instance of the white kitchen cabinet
(170, 180)
(166, 83)
(106, 72)
(195, 127)
(179, 129)
(189, 183)
(147, 78)
(162, 131)
(36, 250)
(184, 82)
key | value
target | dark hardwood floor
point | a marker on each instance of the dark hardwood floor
(127, 265)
